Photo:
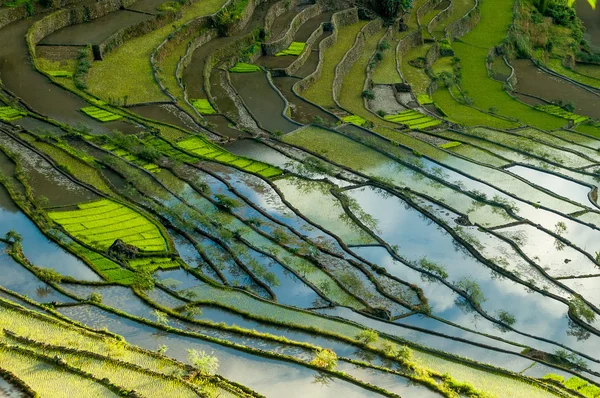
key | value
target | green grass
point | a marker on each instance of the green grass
(450, 145)
(487, 93)
(242, 67)
(100, 114)
(126, 71)
(424, 99)
(320, 92)
(77, 167)
(296, 48)
(327, 143)
(151, 167)
(461, 7)
(48, 379)
(465, 115)
(556, 65)
(386, 72)
(99, 226)
(154, 263)
(203, 148)
(413, 119)
(589, 129)
(354, 119)
(351, 93)
(109, 270)
(589, 70)
(8, 114)
(558, 111)
(416, 77)
(60, 73)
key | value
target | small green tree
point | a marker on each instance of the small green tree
(162, 350)
(95, 298)
(161, 317)
(205, 363)
(13, 236)
(326, 359)
(367, 336)
(472, 289)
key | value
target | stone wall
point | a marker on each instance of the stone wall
(465, 24)
(352, 55)
(282, 43)
(277, 9)
(9, 15)
(409, 42)
(301, 59)
(58, 53)
(339, 19)
(244, 18)
(425, 8)
(441, 16)
(141, 28)
(432, 55)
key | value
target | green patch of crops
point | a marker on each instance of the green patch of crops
(100, 114)
(203, 148)
(152, 264)
(413, 119)
(106, 221)
(560, 112)
(296, 48)
(242, 67)
(354, 119)
(203, 106)
(60, 73)
(8, 114)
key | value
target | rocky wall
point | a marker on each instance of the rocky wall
(340, 19)
(352, 55)
(465, 24)
(282, 43)
(425, 8)
(441, 16)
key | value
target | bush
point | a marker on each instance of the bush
(205, 363)
(506, 317)
(326, 359)
(472, 289)
(95, 298)
(368, 94)
(367, 336)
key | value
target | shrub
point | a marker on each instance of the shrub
(384, 45)
(433, 268)
(205, 363)
(367, 336)
(326, 359)
(95, 298)
(472, 289)
(506, 317)
(368, 94)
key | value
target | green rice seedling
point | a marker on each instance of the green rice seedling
(203, 106)
(205, 149)
(243, 67)
(448, 145)
(296, 48)
(424, 99)
(60, 73)
(99, 225)
(354, 119)
(100, 114)
(8, 114)
(560, 112)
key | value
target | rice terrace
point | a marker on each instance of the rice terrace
(300, 198)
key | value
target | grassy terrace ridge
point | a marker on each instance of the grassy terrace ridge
(101, 222)
(459, 10)
(352, 86)
(101, 355)
(205, 149)
(496, 16)
(386, 72)
(556, 65)
(416, 77)
(320, 92)
(127, 73)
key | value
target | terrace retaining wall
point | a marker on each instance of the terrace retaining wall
(340, 19)
(282, 43)
(409, 42)
(9, 15)
(465, 24)
(301, 59)
(441, 16)
(425, 8)
(352, 55)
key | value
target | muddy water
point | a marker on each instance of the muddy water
(95, 31)
(193, 77)
(265, 103)
(35, 89)
(222, 125)
(302, 111)
(38, 126)
(167, 114)
(533, 81)
(591, 22)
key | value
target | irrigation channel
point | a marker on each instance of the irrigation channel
(299, 198)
